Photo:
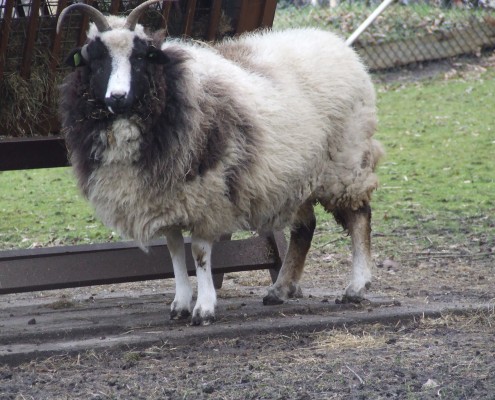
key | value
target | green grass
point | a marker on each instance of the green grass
(44, 208)
(437, 180)
(440, 140)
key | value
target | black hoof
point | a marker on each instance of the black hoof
(272, 300)
(202, 320)
(183, 314)
(350, 300)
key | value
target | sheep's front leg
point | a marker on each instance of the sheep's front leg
(204, 311)
(301, 234)
(358, 224)
(181, 306)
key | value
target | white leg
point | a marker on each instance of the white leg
(181, 306)
(361, 276)
(204, 311)
(360, 230)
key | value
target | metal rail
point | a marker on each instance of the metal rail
(98, 264)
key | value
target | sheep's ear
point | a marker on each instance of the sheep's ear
(156, 56)
(75, 58)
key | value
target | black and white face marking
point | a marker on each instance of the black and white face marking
(122, 46)
(117, 61)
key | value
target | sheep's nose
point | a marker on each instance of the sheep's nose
(118, 97)
(117, 102)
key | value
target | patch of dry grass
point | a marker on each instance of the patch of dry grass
(470, 321)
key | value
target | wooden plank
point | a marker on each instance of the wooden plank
(268, 13)
(114, 7)
(86, 265)
(167, 5)
(5, 33)
(56, 40)
(189, 18)
(255, 14)
(32, 31)
(215, 14)
(242, 19)
(30, 153)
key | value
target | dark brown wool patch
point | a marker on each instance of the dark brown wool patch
(208, 156)
(302, 233)
(229, 126)
(82, 119)
(166, 137)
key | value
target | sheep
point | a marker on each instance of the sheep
(248, 133)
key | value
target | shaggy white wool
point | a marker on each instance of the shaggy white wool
(313, 107)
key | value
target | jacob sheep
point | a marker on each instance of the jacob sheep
(248, 133)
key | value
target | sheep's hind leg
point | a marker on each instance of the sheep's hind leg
(204, 311)
(358, 223)
(287, 284)
(181, 306)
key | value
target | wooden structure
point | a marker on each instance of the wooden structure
(70, 266)
(36, 21)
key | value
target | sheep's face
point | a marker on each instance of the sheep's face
(117, 62)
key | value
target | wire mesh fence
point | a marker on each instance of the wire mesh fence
(409, 31)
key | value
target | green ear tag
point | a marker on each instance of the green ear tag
(77, 59)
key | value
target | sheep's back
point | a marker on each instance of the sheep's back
(315, 104)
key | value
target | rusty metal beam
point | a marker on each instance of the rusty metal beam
(31, 153)
(97, 264)
(279, 244)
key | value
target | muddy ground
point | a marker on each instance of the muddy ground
(295, 352)
(450, 356)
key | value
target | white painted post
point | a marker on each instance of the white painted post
(368, 21)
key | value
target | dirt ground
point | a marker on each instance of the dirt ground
(447, 356)
(451, 356)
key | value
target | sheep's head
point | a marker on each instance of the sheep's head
(116, 56)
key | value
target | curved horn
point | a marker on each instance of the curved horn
(135, 14)
(96, 16)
